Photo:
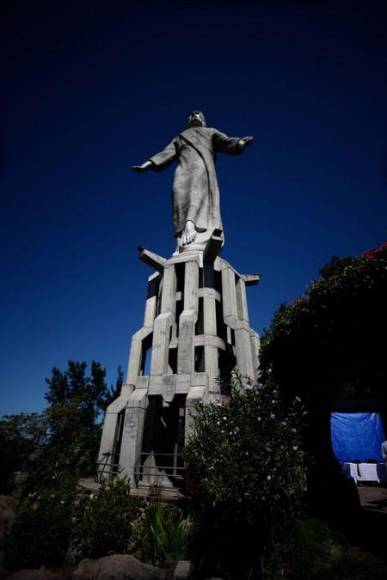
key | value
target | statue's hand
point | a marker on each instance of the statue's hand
(245, 141)
(143, 167)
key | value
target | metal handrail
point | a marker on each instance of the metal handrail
(177, 467)
(105, 468)
(157, 453)
(173, 471)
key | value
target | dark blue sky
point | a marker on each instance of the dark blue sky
(90, 88)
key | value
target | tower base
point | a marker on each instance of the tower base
(195, 331)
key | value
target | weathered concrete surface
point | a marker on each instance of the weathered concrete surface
(132, 433)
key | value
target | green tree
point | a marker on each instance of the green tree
(63, 440)
(331, 343)
(114, 391)
(76, 400)
(247, 461)
(21, 437)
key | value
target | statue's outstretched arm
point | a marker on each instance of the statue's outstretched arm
(143, 167)
(232, 145)
(245, 141)
(160, 160)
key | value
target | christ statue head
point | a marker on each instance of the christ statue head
(196, 119)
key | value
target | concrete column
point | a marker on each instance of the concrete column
(243, 312)
(230, 309)
(151, 303)
(244, 354)
(110, 422)
(195, 395)
(108, 435)
(168, 298)
(210, 352)
(136, 347)
(132, 433)
(255, 347)
(234, 307)
(245, 358)
(135, 355)
(188, 318)
(191, 285)
(163, 323)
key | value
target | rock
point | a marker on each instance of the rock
(183, 570)
(117, 567)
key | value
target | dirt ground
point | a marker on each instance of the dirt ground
(373, 498)
(373, 521)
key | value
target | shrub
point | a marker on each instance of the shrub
(41, 531)
(164, 534)
(102, 522)
(249, 467)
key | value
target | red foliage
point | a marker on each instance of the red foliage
(375, 251)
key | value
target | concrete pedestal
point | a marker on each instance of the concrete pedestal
(195, 331)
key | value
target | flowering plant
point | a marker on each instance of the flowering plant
(333, 338)
(249, 465)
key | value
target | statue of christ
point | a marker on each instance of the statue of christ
(196, 206)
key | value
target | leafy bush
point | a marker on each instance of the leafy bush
(41, 531)
(102, 522)
(249, 467)
(164, 534)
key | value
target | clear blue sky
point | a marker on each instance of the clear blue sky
(89, 88)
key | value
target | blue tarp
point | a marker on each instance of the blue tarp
(357, 436)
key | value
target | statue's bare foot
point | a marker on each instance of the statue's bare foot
(189, 233)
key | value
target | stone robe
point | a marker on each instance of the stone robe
(195, 187)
